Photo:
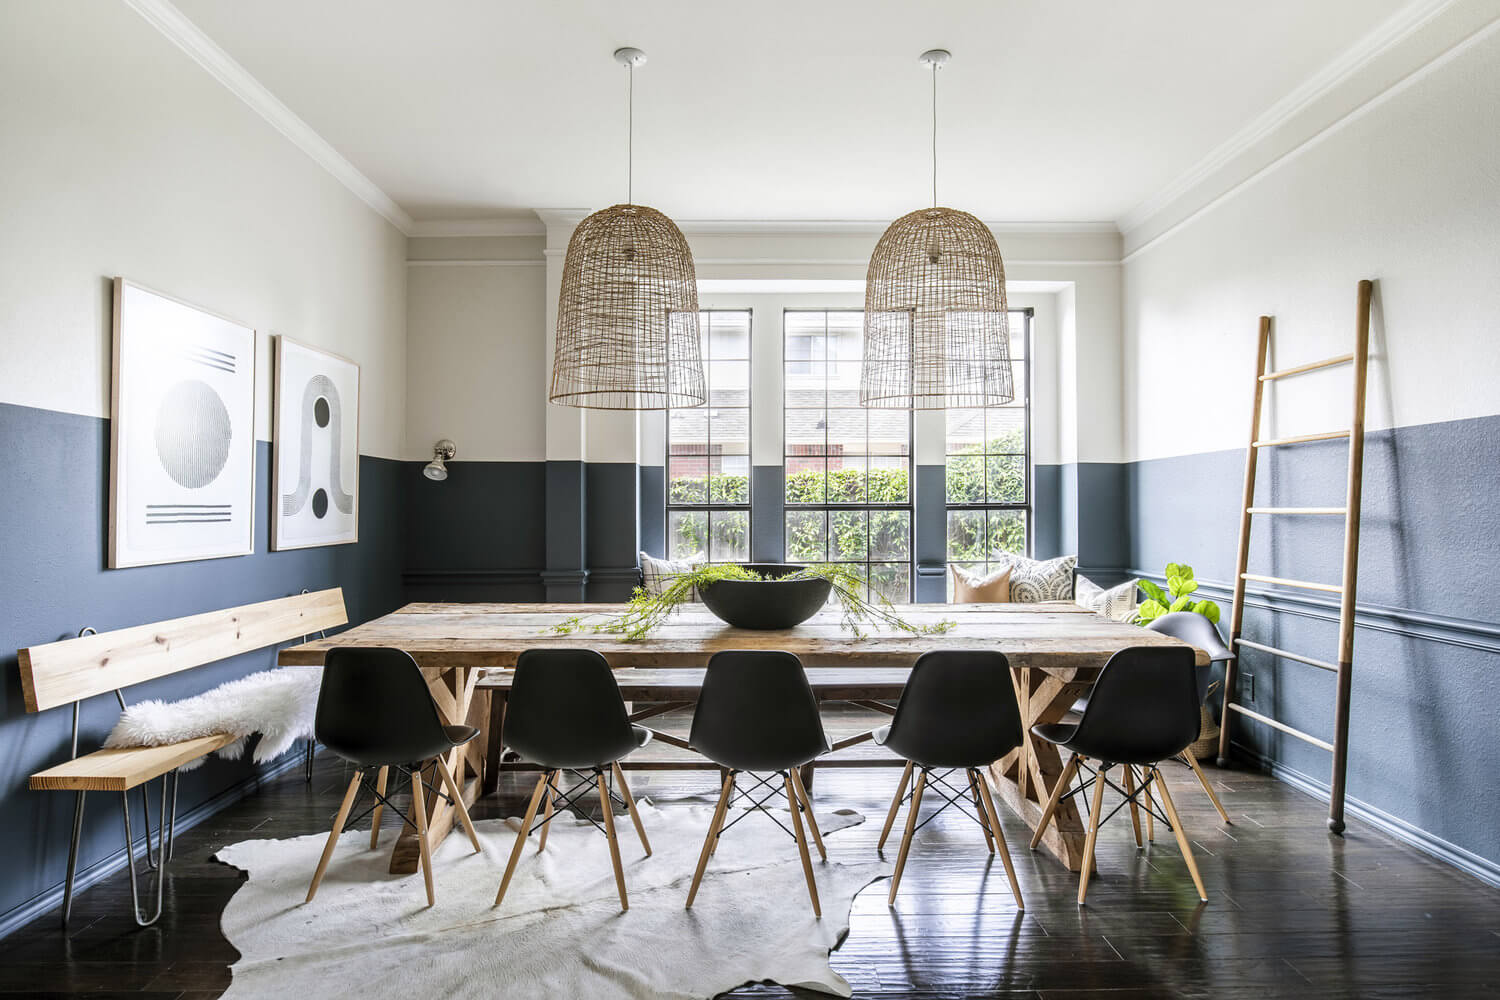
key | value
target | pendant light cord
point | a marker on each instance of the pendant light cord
(630, 141)
(934, 136)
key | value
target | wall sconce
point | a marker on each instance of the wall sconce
(442, 452)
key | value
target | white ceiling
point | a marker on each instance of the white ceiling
(1051, 110)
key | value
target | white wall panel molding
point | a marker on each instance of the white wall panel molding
(172, 23)
(1418, 39)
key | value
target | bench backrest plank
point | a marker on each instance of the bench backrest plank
(73, 669)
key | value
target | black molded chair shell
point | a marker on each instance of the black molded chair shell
(756, 712)
(565, 710)
(1143, 709)
(374, 709)
(958, 709)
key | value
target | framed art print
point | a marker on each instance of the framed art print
(315, 467)
(182, 432)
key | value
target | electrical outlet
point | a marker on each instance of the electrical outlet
(1249, 687)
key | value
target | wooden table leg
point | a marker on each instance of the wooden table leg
(494, 742)
(453, 693)
(1024, 778)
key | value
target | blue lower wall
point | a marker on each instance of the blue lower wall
(53, 530)
(1424, 730)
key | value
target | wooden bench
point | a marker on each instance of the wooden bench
(69, 671)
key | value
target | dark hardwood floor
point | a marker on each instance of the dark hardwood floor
(1293, 911)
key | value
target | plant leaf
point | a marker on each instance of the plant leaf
(1208, 609)
(1150, 611)
(1182, 603)
(1152, 591)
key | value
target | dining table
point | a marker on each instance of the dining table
(1055, 651)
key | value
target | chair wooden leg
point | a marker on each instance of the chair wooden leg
(1203, 780)
(984, 817)
(333, 836)
(1064, 780)
(614, 842)
(1182, 840)
(458, 804)
(1150, 804)
(515, 853)
(911, 828)
(635, 815)
(890, 817)
(812, 821)
(1004, 848)
(807, 871)
(379, 808)
(712, 839)
(1135, 815)
(733, 779)
(547, 794)
(1093, 836)
(419, 806)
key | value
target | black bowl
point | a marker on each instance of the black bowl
(766, 604)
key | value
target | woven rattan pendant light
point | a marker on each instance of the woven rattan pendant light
(936, 333)
(627, 316)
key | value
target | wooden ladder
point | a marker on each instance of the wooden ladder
(1359, 358)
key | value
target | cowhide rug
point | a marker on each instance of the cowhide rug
(560, 932)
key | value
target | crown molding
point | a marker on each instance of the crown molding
(187, 36)
(1390, 34)
(428, 228)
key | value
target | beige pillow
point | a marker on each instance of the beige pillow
(971, 589)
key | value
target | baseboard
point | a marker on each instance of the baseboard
(1464, 860)
(41, 904)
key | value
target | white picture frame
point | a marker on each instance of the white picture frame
(315, 448)
(182, 432)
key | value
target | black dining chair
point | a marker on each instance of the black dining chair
(565, 713)
(1143, 710)
(957, 711)
(757, 715)
(1196, 630)
(374, 710)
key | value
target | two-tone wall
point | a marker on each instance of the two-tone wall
(555, 502)
(1401, 187)
(123, 157)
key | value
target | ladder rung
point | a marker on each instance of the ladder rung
(1311, 366)
(1320, 664)
(1297, 510)
(1304, 737)
(1301, 439)
(1331, 588)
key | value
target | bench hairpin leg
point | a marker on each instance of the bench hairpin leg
(67, 907)
(163, 850)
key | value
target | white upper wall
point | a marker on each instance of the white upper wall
(1404, 190)
(479, 360)
(122, 156)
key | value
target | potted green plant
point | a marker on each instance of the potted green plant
(1181, 585)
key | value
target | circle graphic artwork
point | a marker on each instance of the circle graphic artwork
(320, 411)
(320, 503)
(193, 431)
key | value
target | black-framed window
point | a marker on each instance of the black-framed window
(988, 469)
(847, 468)
(708, 449)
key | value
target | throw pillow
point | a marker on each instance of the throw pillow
(657, 574)
(971, 589)
(1116, 603)
(1033, 581)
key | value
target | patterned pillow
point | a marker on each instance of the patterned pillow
(1117, 603)
(656, 574)
(971, 589)
(1033, 581)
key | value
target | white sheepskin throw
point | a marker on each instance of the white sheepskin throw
(561, 933)
(278, 704)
